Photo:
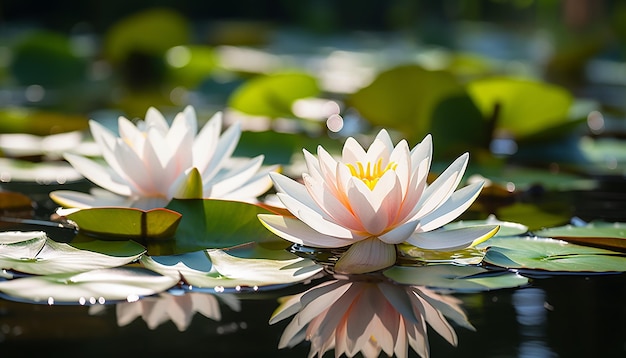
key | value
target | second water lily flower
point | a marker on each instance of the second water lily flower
(371, 200)
(152, 162)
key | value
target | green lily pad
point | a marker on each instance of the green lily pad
(236, 268)
(39, 122)
(97, 286)
(126, 222)
(190, 65)
(152, 31)
(524, 108)
(273, 95)
(404, 98)
(610, 236)
(39, 255)
(208, 223)
(552, 255)
(507, 228)
(46, 58)
(457, 278)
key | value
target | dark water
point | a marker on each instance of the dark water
(565, 316)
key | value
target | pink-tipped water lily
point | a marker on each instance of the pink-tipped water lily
(368, 317)
(152, 162)
(371, 200)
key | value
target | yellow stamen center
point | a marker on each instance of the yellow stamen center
(370, 174)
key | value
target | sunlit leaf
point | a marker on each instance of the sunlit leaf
(552, 255)
(524, 108)
(126, 222)
(97, 286)
(404, 98)
(190, 65)
(41, 256)
(453, 277)
(39, 122)
(214, 224)
(598, 234)
(248, 265)
(273, 95)
(507, 228)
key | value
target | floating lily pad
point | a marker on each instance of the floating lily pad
(552, 255)
(97, 286)
(212, 223)
(249, 266)
(273, 95)
(37, 254)
(605, 235)
(126, 222)
(507, 228)
(457, 278)
(39, 122)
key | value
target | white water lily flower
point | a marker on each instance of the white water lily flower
(372, 200)
(369, 317)
(149, 163)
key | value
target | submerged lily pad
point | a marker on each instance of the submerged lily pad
(552, 255)
(37, 254)
(97, 286)
(599, 234)
(126, 222)
(453, 277)
(249, 265)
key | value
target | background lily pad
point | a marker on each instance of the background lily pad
(404, 98)
(453, 277)
(273, 95)
(552, 255)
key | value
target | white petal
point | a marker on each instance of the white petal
(297, 232)
(205, 142)
(401, 156)
(384, 137)
(360, 202)
(377, 150)
(256, 186)
(236, 177)
(97, 174)
(452, 208)
(312, 164)
(294, 189)
(421, 154)
(317, 222)
(330, 204)
(75, 199)
(155, 119)
(366, 256)
(225, 147)
(441, 189)
(450, 240)
(400, 233)
(352, 151)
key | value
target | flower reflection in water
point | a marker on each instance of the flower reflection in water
(179, 308)
(368, 314)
